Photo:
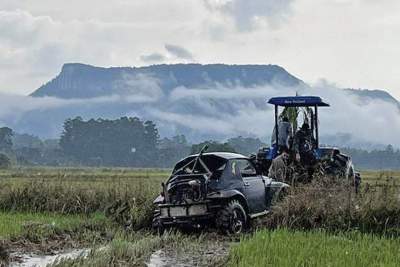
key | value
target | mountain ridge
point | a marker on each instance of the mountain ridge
(366, 95)
(77, 80)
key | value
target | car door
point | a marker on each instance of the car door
(253, 185)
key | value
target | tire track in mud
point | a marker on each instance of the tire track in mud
(210, 253)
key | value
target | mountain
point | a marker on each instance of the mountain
(85, 81)
(366, 96)
(214, 101)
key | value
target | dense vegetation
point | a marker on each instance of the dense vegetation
(121, 142)
(124, 142)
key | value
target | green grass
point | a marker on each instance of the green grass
(82, 190)
(315, 248)
(381, 177)
(14, 224)
(81, 177)
(58, 208)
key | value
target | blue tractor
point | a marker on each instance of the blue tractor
(328, 160)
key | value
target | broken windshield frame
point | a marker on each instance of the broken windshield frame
(206, 164)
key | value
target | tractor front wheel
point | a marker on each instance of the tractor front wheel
(232, 218)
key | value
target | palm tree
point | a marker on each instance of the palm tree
(291, 113)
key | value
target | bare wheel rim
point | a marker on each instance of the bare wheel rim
(237, 221)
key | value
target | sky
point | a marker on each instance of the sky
(351, 43)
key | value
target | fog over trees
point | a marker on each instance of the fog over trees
(132, 142)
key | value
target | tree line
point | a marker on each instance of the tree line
(123, 142)
(132, 142)
(388, 158)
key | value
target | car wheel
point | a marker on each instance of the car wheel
(232, 218)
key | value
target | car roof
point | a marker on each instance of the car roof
(224, 155)
(298, 101)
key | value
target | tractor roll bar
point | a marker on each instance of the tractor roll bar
(299, 101)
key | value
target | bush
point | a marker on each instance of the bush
(334, 206)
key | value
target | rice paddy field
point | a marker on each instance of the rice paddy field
(315, 248)
(381, 177)
(45, 210)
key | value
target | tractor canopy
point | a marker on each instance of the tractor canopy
(298, 101)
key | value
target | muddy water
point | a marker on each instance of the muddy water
(161, 259)
(27, 260)
(201, 257)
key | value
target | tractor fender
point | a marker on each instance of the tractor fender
(224, 195)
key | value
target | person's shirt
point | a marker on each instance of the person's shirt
(285, 131)
(278, 169)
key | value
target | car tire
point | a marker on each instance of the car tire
(232, 218)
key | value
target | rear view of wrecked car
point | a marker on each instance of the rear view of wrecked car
(220, 189)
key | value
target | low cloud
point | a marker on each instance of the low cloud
(227, 93)
(249, 113)
(204, 124)
(142, 87)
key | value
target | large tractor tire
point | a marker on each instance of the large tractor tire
(232, 218)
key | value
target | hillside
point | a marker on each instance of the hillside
(85, 81)
(367, 96)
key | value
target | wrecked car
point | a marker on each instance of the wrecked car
(223, 189)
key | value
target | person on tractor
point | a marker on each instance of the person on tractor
(285, 132)
(303, 145)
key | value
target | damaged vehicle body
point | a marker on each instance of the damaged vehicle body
(223, 189)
